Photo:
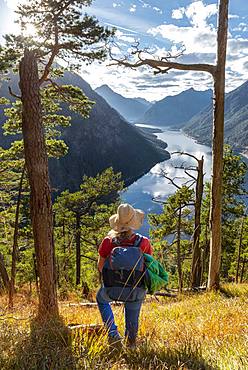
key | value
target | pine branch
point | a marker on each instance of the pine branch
(55, 51)
(90, 258)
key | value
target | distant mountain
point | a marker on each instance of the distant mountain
(174, 111)
(147, 103)
(103, 140)
(236, 120)
(130, 109)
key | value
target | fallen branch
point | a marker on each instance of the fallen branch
(164, 294)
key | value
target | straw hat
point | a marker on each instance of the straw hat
(126, 218)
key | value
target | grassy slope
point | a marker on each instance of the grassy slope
(206, 331)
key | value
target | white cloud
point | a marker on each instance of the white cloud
(200, 36)
(193, 38)
(198, 13)
(144, 4)
(132, 9)
(238, 66)
(233, 16)
(125, 37)
(178, 13)
(157, 10)
(237, 47)
(243, 27)
(139, 24)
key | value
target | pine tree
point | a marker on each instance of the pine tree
(233, 210)
(60, 31)
(86, 212)
(175, 222)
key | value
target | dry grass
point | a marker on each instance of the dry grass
(203, 331)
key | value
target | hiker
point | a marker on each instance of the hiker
(124, 285)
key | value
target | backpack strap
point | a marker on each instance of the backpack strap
(136, 244)
(138, 240)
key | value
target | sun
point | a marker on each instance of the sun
(30, 30)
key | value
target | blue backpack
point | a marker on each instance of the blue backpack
(123, 271)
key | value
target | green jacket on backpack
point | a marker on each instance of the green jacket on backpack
(156, 277)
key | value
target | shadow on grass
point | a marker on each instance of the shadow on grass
(148, 358)
(234, 290)
(46, 347)
(50, 347)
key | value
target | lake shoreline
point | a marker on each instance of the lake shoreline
(149, 134)
(152, 185)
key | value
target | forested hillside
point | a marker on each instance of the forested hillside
(102, 140)
(236, 120)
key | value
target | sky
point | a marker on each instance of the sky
(162, 26)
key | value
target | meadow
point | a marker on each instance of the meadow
(192, 331)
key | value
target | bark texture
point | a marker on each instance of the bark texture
(78, 249)
(15, 244)
(217, 149)
(197, 263)
(179, 263)
(37, 171)
(239, 251)
(4, 274)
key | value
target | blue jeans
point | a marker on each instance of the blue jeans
(132, 312)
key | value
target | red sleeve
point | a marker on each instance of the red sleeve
(146, 246)
(105, 247)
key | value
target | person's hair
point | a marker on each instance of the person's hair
(121, 235)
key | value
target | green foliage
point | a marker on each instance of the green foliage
(4, 101)
(7, 59)
(72, 95)
(89, 210)
(167, 226)
(61, 30)
(12, 163)
(92, 191)
(234, 173)
(233, 209)
(165, 223)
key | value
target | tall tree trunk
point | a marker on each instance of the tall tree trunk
(40, 198)
(4, 274)
(36, 275)
(239, 251)
(205, 252)
(65, 258)
(217, 149)
(15, 244)
(196, 267)
(179, 262)
(78, 249)
(242, 270)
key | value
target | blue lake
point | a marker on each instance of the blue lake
(152, 185)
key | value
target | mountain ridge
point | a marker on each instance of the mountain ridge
(236, 120)
(174, 111)
(129, 108)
